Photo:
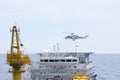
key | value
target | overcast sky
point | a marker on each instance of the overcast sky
(42, 23)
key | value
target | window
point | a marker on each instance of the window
(75, 72)
(74, 60)
(56, 60)
(68, 60)
(51, 60)
(82, 59)
(45, 60)
(62, 60)
(40, 66)
(41, 60)
(75, 66)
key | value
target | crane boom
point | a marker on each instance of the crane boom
(15, 58)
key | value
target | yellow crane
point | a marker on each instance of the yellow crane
(15, 58)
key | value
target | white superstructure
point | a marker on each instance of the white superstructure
(62, 66)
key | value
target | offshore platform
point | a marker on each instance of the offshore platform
(51, 65)
(15, 58)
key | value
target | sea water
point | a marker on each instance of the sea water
(107, 66)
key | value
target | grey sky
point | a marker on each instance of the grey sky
(42, 23)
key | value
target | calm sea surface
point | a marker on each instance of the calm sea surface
(107, 66)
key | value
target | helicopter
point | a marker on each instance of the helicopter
(75, 37)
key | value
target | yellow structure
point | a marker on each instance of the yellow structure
(15, 58)
(80, 78)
